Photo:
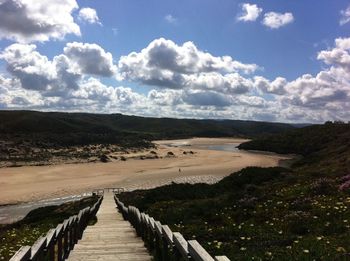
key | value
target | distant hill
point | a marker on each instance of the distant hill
(33, 122)
(324, 147)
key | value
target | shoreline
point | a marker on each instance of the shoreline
(32, 183)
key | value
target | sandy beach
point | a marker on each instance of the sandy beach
(197, 164)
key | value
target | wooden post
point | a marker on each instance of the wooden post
(181, 247)
(65, 238)
(50, 245)
(168, 242)
(71, 232)
(197, 252)
(58, 235)
(76, 229)
(38, 249)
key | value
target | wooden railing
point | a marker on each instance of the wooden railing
(101, 191)
(58, 242)
(161, 241)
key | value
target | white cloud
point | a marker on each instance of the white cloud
(90, 59)
(62, 73)
(232, 83)
(170, 19)
(250, 12)
(345, 16)
(32, 20)
(89, 15)
(207, 86)
(339, 55)
(168, 65)
(275, 87)
(275, 20)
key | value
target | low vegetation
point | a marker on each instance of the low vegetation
(37, 223)
(300, 213)
(38, 138)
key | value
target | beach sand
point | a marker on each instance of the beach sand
(29, 183)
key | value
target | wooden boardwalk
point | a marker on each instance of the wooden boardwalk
(111, 238)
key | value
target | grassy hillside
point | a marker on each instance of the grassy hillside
(268, 214)
(37, 138)
(326, 148)
(30, 122)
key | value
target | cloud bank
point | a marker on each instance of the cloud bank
(182, 81)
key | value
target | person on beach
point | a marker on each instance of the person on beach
(179, 170)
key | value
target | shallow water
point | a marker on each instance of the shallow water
(222, 147)
(13, 213)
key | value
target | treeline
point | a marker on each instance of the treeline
(83, 128)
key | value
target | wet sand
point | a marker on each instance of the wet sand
(30, 183)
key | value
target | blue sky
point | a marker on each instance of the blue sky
(275, 89)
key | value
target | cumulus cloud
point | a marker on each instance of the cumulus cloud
(232, 83)
(90, 59)
(188, 83)
(329, 90)
(62, 73)
(275, 87)
(339, 55)
(250, 12)
(168, 65)
(345, 16)
(275, 20)
(31, 20)
(206, 98)
(89, 15)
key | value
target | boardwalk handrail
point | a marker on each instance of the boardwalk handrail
(58, 242)
(160, 240)
(102, 190)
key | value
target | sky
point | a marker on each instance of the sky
(266, 60)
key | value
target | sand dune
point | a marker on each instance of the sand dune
(30, 183)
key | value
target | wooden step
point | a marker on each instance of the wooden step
(111, 238)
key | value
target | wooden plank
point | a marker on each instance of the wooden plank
(151, 223)
(50, 244)
(58, 230)
(168, 234)
(158, 227)
(221, 258)
(180, 244)
(23, 254)
(50, 237)
(147, 220)
(197, 252)
(111, 238)
(58, 235)
(38, 249)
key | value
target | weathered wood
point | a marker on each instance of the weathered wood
(168, 242)
(72, 231)
(65, 238)
(197, 252)
(181, 244)
(50, 244)
(111, 238)
(23, 254)
(158, 228)
(37, 252)
(168, 234)
(58, 235)
(221, 258)
(151, 223)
